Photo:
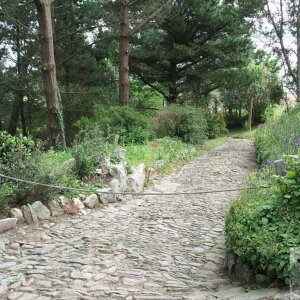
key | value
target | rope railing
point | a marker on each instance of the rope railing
(129, 193)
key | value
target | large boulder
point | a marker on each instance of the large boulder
(136, 180)
(91, 201)
(118, 172)
(55, 208)
(17, 213)
(42, 212)
(8, 224)
(29, 214)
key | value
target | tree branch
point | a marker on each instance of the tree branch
(139, 26)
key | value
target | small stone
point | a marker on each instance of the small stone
(198, 250)
(81, 275)
(15, 246)
(17, 213)
(106, 196)
(45, 249)
(7, 265)
(92, 201)
(244, 272)
(42, 212)
(229, 263)
(46, 226)
(8, 224)
(262, 279)
(45, 237)
(2, 245)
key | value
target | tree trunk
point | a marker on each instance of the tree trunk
(14, 118)
(298, 52)
(250, 113)
(18, 104)
(173, 89)
(55, 116)
(124, 57)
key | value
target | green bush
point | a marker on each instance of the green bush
(24, 166)
(26, 160)
(9, 145)
(89, 150)
(128, 124)
(216, 125)
(278, 137)
(263, 225)
(184, 122)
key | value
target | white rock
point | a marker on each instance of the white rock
(29, 214)
(105, 164)
(64, 200)
(118, 172)
(115, 186)
(92, 201)
(42, 212)
(78, 203)
(15, 246)
(7, 224)
(55, 208)
(136, 180)
(17, 213)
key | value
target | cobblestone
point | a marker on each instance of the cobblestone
(146, 248)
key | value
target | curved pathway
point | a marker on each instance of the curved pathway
(148, 248)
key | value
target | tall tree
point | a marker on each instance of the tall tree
(17, 39)
(126, 33)
(54, 107)
(284, 16)
(191, 48)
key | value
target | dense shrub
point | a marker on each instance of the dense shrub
(130, 125)
(89, 150)
(184, 122)
(216, 125)
(278, 137)
(263, 225)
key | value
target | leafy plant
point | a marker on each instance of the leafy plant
(216, 125)
(9, 145)
(89, 150)
(263, 225)
(129, 125)
(184, 122)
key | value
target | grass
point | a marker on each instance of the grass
(242, 133)
(162, 154)
(166, 154)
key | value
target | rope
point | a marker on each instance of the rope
(130, 193)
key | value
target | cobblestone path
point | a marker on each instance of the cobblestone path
(148, 248)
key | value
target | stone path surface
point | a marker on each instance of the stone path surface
(147, 248)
